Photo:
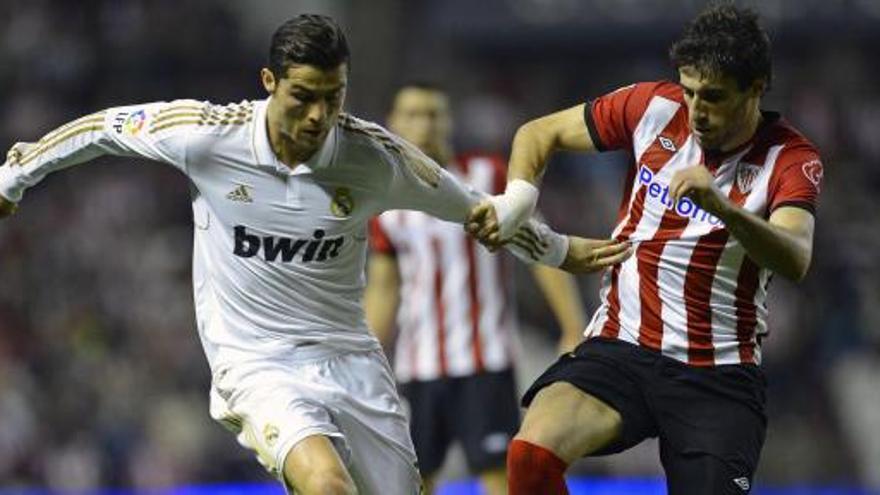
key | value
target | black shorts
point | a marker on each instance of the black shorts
(710, 421)
(480, 411)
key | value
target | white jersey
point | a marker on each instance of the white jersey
(279, 252)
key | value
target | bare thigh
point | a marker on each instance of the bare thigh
(569, 422)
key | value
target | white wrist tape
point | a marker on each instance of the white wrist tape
(515, 206)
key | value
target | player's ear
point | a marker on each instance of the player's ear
(268, 79)
(759, 86)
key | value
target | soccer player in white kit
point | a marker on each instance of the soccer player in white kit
(282, 190)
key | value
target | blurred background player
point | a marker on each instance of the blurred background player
(454, 348)
(721, 195)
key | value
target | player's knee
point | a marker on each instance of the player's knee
(587, 426)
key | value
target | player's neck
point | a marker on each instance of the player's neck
(284, 148)
(749, 129)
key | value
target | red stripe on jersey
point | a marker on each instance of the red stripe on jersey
(473, 291)
(611, 328)
(746, 311)
(698, 295)
(651, 326)
(439, 306)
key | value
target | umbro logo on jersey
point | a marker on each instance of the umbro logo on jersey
(318, 248)
(742, 483)
(667, 144)
(241, 194)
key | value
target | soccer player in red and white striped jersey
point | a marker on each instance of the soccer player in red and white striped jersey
(456, 323)
(720, 195)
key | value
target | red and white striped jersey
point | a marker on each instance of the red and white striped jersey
(689, 290)
(454, 318)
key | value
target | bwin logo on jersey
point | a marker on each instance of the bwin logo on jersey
(315, 249)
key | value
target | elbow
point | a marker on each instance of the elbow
(526, 132)
(800, 272)
(799, 268)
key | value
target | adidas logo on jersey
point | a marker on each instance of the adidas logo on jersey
(318, 248)
(241, 194)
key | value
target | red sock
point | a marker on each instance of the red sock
(534, 470)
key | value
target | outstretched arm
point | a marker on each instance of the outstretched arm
(533, 145)
(155, 131)
(419, 183)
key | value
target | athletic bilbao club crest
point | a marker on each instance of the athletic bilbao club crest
(813, 171)
(343, 203)
(746, 174)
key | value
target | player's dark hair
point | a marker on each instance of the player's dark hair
(308, 39)
(727, 40)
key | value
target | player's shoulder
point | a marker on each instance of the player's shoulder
(646, 90)
(794, 145)
(471, 159)
(202, 117)
(491, 167)
(360, 133)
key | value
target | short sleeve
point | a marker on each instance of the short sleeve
(611, 119)
(797, 180)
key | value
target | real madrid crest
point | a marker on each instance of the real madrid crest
(746, 174)
(270, 433)
(342, 204)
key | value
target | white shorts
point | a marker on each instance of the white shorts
(351, 398)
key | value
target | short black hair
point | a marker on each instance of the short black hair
(727, 40)
(308, 39)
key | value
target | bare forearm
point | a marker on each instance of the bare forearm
(538, 139)
(785, 251)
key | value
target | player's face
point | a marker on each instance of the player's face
(422, 117)
(305, 104)
(719, 111)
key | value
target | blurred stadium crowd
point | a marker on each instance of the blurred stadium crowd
(102, 379)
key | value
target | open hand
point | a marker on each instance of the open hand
(591, 255)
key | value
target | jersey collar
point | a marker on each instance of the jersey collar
(265, 157)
